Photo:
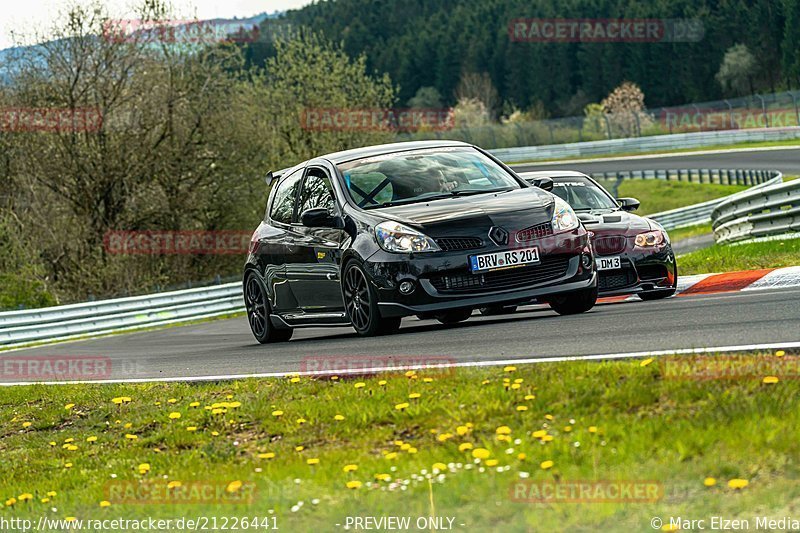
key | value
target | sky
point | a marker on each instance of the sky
(25, 17)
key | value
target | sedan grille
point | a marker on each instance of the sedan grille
(535, 232)
(448, 244)
(616, 279)
(461, 281)
(612, 244)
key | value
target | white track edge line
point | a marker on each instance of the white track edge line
(466, 364)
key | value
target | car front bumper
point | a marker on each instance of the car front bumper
(442, 281)
(643, 271)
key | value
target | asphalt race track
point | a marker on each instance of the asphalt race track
(784, 160)
(226, 347)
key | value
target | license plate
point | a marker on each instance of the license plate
(609, 263)
(507, 259)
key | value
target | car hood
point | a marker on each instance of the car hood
(474, 215)
(615, 223)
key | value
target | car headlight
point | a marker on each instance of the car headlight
(395, 237)
(650, 238)
(564, 217)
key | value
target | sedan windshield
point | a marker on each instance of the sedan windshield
(582, 194)
(422, 175)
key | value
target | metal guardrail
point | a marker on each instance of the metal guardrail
(673, 141)
(768, 211)
(122, 314)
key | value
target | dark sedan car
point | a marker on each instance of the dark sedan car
(368, 236)
(634, 254)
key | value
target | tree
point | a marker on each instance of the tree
(474, 86)
(426, 97)
(625, 109)
(736, 72)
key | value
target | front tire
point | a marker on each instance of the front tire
(258, 312)
(574, 303)
(361, 304)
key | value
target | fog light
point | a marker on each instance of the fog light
(586, 260)
(406, 287)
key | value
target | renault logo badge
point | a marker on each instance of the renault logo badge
(499, 236)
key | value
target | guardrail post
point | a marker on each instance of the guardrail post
(764, 109)
(608, 126)
(730, 114)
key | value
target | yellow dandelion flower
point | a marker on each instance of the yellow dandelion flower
(567, 429)
(312, 461)
(172, 400)
(462, 430)
(70, 519)
(354, 484)
(485, 382)
(516, 386)
(266, 455)
(215, 433)
(295, 380)
(492, 462)
(52, 493)
(530, 397)
(191, 428)
(69, 440)
(670, 527)
(334, 378)
(219, 411)
(547, 438)
(646, 362)
(52, 443)
(444, 436)
(439, 466)
(277, 413)
(382, 382)
(338, 417)
(299, 448)
(174, 484)
(69, 406)
(194, 404)
(412, 450)
(67, 465)
(770, 380)
(737, 484)
(522, 408)
(411, 373)
(26, 424)
(233, 486)
(174, 415)
(45, 500)
(550, 417)
(301, 420)
(105, 503)
(539, 433)
(521, 456)
(780, 353)
(480, 453)
(25, 497)
(145, 467)
(427, 380)
(405, 446)
(592, 429)
(383, 477)
(128, 426)
(91, 439)
(414, 395)
(130, 436)
(503, 430)
(234, 405)
(391, 455)
(709, 482)
(360, 385)
(546, 465)
(350, 468)
(510, 369)
(121, 399)
(401, 406)
(71, 448)
(464, 446)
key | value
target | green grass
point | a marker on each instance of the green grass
(662, 195)
(727, 258)
(739, 146)
(606, 421)
(687, 232)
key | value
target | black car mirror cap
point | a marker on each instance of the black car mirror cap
(319, 217)
(628, 204)
(545, 184)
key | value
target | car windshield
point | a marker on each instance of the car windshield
(420, 175)
(582, 194)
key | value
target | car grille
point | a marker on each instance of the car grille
(616, 280)
(551, 267)
(652, 271)
(534, 232)
(448, 244)
(612, 244)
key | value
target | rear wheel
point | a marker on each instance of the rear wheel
(498, 310)
(258, 311)
(361, 304)
(574, 303)
(454, 317)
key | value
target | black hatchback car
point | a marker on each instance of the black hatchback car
(634, 254)
(434, 229)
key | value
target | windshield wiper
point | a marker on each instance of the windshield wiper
(435, 196)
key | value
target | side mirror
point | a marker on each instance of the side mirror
(545, 184)
(629, 204)
(270, 178)
(319, 217)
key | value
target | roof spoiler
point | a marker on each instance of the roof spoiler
(273, 176)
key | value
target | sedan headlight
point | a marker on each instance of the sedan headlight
(564, 217)
(395, 237)
(650, 238)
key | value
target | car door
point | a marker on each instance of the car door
(278, 243)
(313, 273)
